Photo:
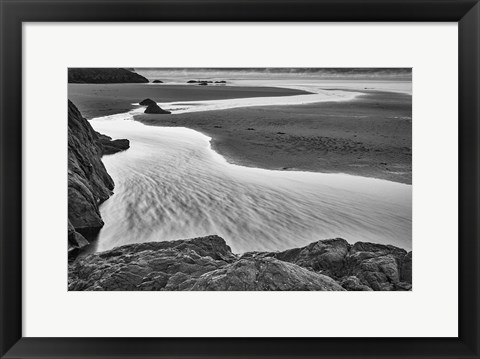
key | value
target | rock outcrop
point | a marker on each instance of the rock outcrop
(89, 184)
(155, 109)
(208, 264)
(104, 76)
(205, 82)
(157, 82)
(110, 146)
(147, 102)
(356, 267)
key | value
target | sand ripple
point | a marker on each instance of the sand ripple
(171, 185)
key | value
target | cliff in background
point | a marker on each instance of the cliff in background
(104, 76)
(89, 184)
(208, 264)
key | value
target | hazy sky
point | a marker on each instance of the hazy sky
(404, 74)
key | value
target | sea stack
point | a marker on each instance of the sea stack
(155, 109)
(147, 102)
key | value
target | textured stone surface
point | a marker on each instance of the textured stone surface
(104, 76)
(75, 239)
(377, 265)
(207, 263)
(110, 146)
(89, 184)
(150, 266)
(327, 256)
(264, 274)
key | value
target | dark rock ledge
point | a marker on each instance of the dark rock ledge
(89, 184)
(208, 264)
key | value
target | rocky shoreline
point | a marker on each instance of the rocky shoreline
(89, 184)
(208, 263)
(205, 263)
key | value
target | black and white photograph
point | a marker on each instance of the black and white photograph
(240, 179)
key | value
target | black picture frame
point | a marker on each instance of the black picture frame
(14, 12)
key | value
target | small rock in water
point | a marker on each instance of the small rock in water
(147, 102)
(155, 109)
(157, 82)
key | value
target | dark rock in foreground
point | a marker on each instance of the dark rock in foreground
(208, 264)
(75, 239)
(89, 184)
(104, 76)
(147, 102)
(155, 109)
(376, 266)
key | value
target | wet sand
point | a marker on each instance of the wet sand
(94, 100)
(369, 136)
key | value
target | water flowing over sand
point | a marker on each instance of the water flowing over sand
(319, 95)
(170, 185)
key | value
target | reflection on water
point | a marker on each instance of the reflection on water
(317, 95)
(171, 185)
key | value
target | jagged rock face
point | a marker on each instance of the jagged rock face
(75, 239)
(208, 264)
(357, 267)
(89, 184)
(378, 266)
(104, 76)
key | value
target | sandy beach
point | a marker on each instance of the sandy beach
(95, 100)
(368, 136)
(270, 169)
